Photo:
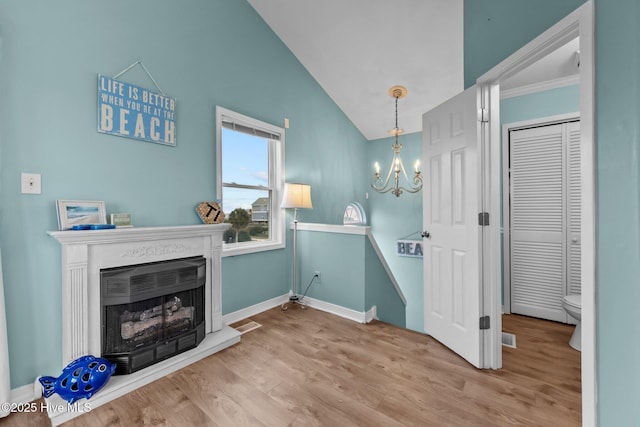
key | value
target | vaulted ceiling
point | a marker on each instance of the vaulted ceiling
(358, 49)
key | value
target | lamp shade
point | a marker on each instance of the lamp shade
(297, 196)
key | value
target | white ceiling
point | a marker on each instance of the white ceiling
(357, 49)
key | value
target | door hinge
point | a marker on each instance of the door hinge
(484, 322)
(483, 115)
(483, 218)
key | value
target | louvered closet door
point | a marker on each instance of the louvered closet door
(540, 223)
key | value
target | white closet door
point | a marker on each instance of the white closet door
(538, 233)
(574, 202)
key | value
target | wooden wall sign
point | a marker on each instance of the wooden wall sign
(210, 212)
(135, 112)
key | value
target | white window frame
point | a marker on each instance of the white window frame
(276, 182)
(357, 207)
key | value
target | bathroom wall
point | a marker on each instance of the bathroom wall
(546, 103)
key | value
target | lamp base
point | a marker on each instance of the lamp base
(293, 299)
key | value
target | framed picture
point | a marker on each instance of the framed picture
(76, 212)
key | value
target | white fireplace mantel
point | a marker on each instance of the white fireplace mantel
(86, 252)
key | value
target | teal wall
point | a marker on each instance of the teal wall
(617, 98)
(203, 53)
(494, 29)
(393, 218)
(379, 290)
(352, 275)
(618, 211)
(340, 260)
(540, 104)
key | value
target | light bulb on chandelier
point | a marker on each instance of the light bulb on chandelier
(397, 167)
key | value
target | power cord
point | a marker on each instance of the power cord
(308, 286)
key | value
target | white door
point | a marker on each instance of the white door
(452, 286)
(545, 218)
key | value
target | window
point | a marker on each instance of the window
(354, 215)
(250, 178)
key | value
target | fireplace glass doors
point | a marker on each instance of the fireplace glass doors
(151, 312)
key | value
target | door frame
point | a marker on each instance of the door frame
(506, 207)
(578, 23)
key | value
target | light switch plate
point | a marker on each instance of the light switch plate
(31, 183)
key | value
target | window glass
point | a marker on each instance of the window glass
(247, 211)
(250, 179)
(245, 158)
(354, 215)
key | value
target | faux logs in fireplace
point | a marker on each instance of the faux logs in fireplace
(152, 311)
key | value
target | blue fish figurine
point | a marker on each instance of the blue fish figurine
(81, 378)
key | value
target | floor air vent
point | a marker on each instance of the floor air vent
(247, 327)
(508, 340)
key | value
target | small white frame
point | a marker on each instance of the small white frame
(76, 212)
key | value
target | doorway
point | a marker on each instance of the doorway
(489, 207)
(579, 23)
(541, 215)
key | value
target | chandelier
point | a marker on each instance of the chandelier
(397, 167)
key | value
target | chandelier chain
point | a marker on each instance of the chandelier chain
(396, 114)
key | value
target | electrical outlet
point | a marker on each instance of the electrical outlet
(317, 276)
(31, 183)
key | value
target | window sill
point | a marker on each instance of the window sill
(243, 249)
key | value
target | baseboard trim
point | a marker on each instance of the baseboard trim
(371, 314)
(244, 313)
(25, 394)
(347, 313)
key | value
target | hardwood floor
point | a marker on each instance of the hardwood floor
(310, 368)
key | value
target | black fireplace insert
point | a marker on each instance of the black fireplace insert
(152, 311)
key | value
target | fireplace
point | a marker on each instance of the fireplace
(89, 255)
(151, 312)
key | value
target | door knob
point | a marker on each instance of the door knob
(425, 234)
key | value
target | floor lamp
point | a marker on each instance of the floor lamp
(296, 196)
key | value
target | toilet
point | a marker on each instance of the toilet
(572, 304)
